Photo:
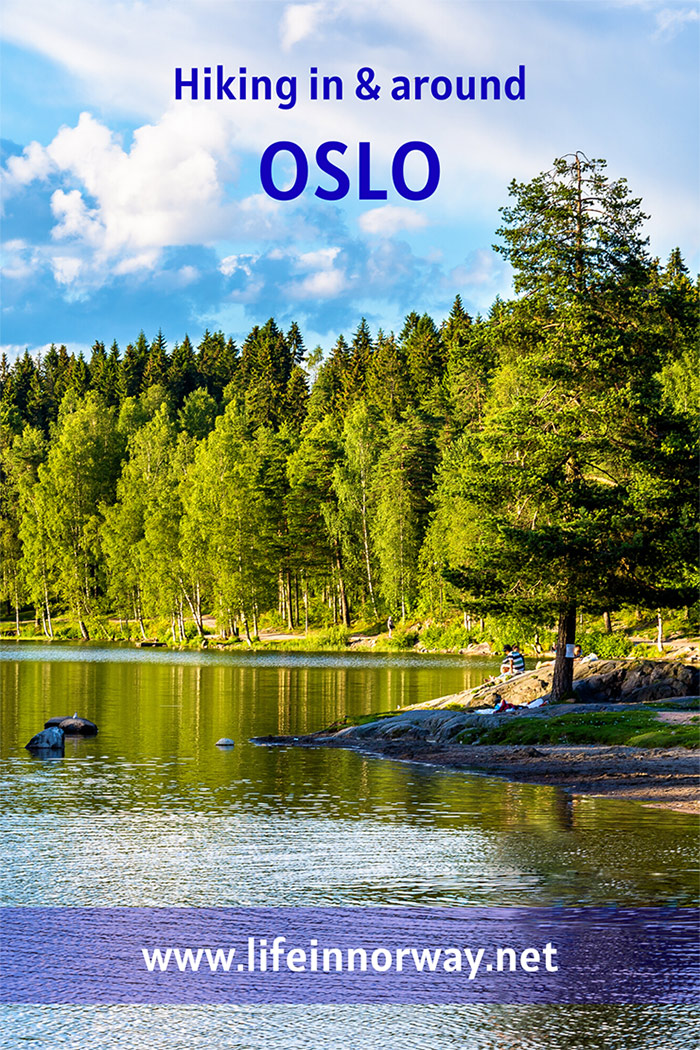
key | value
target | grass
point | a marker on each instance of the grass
(630, 728)
(691, 703)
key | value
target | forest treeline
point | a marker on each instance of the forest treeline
(534, 461)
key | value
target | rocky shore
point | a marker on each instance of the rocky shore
(432, 733)
(598, 681)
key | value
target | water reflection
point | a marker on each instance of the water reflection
(149, 812)
(348, 1027)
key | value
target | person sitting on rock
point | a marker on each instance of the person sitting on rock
(507, 663)
(517, 660)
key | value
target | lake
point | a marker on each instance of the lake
(150, 812)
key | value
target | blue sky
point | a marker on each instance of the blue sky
(125, 209)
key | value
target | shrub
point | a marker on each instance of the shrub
(333, 637)
(402, 638)
(451, 636)
(606, 646)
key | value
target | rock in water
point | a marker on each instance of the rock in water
(52, 739)
(225, 742)
(74, 726)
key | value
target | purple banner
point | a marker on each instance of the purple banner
(349, 955)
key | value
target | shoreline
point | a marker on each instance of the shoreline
(667, 777)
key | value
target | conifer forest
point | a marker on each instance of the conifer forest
(534, 462)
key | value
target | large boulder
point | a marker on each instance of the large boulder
(52, 739)
(634, 681)
(600, 681)
(73, 725)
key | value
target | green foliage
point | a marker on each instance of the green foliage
(511, 467)
(450, 636)
(630, 728)
(334, 637)
(606, 646)
(401, 638)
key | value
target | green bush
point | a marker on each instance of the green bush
(402, 638)
(450, 636)
(333, 637)
(606, 646)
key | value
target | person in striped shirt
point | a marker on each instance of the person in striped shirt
(517, 660)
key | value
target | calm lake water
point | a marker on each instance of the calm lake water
(149, 812)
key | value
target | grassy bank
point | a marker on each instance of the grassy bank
(630, 728)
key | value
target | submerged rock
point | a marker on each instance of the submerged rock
(225, 742)
(52, 739)
(72, 725)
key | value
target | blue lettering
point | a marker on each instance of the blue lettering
(366, 192)
(342, 180)
(302, 175)
(397, 170)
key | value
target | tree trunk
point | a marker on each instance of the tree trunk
(344, 607)
(562, 681)
(84, 633)
(290, 607)
(607, 622)
(368, 563)
(246, 629)
(659, 631)
(17, 612)
(195, 605)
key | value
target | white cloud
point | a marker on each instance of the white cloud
(120, 206)
(325, 284)
(75, 219)
(65, 268)
(238, 264)
(323, 257)
(390, 219)
(34, 163)
(165, 190)
(298, 22)
(326, 279)
(20, 259)
(671, 20)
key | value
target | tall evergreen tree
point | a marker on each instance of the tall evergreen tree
(574, 477)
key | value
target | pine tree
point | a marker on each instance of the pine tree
(572, 481)
(424, 353)
(157, 363)
(388, 379)
(183, 375)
